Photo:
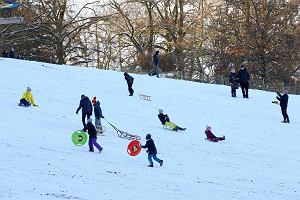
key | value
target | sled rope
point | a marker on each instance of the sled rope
(123, 134)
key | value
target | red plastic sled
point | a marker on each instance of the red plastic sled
(134, 148)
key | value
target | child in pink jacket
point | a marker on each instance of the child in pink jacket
(210, 136)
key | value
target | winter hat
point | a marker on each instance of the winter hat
(148, 136)
(208, 127)
(89, 120)
(94, 100)
(28, 89)
(160, 111)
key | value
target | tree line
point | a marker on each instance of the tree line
(199, 40)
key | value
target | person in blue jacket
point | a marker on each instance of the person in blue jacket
(151, 151)
(87, 109)
(98, 114)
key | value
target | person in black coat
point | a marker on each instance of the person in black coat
(92, 136)
(233, 81)
(5, 54)
(244, 78)
(283, 99)
(155, 70)
(12, 53)
(87, 108)
(129, 79)
(151, 151)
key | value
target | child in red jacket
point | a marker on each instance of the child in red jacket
(210, 136)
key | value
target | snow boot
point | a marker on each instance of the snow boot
(151, 165)
(161, 162)
(182, 129)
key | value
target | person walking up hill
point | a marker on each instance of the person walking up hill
(87, 109)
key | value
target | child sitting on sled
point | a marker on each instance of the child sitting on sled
(165, 120)
(210, 136)
(27, 98)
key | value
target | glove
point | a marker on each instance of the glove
(35, 105)
(147, 151)
(76, 112)
(102, 117)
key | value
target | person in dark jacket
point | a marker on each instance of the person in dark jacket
(210, 136)
(129, 79)
(233, 81)
(283, 99)
(5, 54)
(151, 151)
(87, 108)
(165, 120)
(92, 136)
(155, 70)
(98, 114)
(244, 78)
(12, 53)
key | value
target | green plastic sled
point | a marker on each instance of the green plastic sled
(79, 138)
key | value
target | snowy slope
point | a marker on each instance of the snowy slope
(260, 158)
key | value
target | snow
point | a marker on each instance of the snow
(259, 159)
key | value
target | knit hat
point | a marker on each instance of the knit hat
(160, 111)
(94, 100)
(28, 89)
(148, 136)
(89, 120)
(208, 127)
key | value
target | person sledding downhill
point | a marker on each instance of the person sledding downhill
(27, 99)
(87, 108)
(98, 114)
(92, 136)
(151, 151)
(210, 136)
(165, 120)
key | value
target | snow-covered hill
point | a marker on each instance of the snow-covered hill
(260, 158)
